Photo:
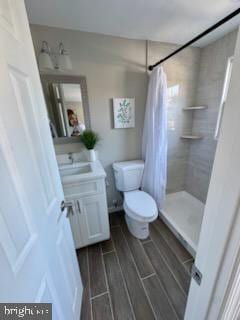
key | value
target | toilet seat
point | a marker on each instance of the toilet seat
(140, 206)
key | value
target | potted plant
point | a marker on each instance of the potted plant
(90, 138)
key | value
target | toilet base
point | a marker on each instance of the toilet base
(138, 229)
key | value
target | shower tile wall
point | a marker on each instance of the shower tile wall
(182, 74)
(213, 62)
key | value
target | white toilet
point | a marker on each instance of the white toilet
(140, 207)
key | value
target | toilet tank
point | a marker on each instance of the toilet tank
(128, 174)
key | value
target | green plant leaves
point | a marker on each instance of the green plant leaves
(89, 138)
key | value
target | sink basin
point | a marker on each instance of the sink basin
(76, 170)
(81, 171)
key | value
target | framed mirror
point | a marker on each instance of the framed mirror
(67, 104)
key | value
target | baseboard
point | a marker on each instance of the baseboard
(115, 209)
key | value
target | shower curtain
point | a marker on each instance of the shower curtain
(154, 145)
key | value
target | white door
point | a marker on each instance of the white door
(37, 257)
(219, 242)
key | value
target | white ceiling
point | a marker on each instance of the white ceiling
(174, 21)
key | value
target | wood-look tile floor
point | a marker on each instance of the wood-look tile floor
(126, 278)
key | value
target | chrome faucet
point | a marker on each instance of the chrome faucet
(70, 157)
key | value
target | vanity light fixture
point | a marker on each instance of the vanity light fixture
(44, 58)
(62, 61)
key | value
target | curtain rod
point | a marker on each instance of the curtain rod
(213, 27)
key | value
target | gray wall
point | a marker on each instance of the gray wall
(213, 62)
(116, 67)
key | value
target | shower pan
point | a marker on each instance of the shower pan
(183, 214)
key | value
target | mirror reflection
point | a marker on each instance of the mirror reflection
(68, 112)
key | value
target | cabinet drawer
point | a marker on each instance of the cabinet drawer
(85, 188)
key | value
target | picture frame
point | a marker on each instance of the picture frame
(124, 113)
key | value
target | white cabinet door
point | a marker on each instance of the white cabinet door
(37, 257)
(93, 219)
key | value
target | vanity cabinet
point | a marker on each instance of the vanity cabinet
(89, 219)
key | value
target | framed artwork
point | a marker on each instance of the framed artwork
(124, 113)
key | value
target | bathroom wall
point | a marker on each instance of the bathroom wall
(182, 73)
(116, 67)
(213, 63)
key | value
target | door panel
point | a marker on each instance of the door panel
(37, 256)
(6, 18)
(17, 233)
(68, 270)
(46, 294)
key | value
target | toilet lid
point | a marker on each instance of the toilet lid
(140, 204)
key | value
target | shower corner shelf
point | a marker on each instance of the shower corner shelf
(191, 137)
(195, 108)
